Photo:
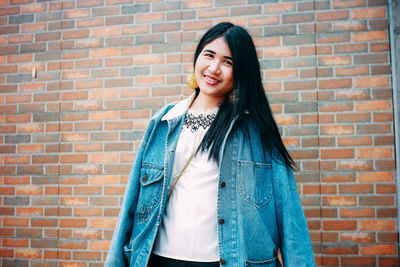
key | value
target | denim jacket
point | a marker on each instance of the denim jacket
(259, 208)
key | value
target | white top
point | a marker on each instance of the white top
(189, 227)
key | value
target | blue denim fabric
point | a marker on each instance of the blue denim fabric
(260, 204)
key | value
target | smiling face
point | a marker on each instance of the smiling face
(214, 70)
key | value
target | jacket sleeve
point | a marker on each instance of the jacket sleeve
(296, 248)
(123, 228)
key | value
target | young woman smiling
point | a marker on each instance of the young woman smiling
(212, 183)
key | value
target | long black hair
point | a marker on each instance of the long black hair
(249, 90)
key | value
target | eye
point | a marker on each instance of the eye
(228, 62)
(209, 55)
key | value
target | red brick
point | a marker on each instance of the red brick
(371, 82)
(279, 52)
(376, 200)
(351, 48)
(332, 15)
(356, 212)
(385, 189)
(87, 212)
(337, 153)
(348, 3)
(43, 222)
(74, 201)
(370, 36)
(339, 201)
(334, 83)
(339, 225)
(82, 95)
(388, 262)
(150, 17)
(29, 211)
(14, 159)
(7, 211)
(319, 50)
(86, 255)
(28, 253)
(327, 189)
(87, 233)
(334, 60)
(7, 232)
(114, 191)
(340, 249)
(17, 180)
(382, 117)
(387, 237)
(99, 245)
(196, 25)
(58, 254)
(378, 152)
(374, 129)
(254, 21)
(75, 34)
(87, 147)
(280, 7)
(376, 225)
(87, 169)
(368, 13)
(29, 190)
(304, 154)
(104, 52)
(7, 191)
(15, 221)
(375, 177)
(104, 158)
(355, 189)
(358, 261)
(45, 159)
(72, 14)
(102, 223)
(354, 141)
(380, 47)
(15, 242)
(337, 130)
(74, 137)
(297, 18)
(378, 249)
(73, 158)
(73, 223)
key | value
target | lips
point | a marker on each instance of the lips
(210, 80)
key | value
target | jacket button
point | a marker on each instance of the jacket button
(221, 221)
(145, 178)
(222, 261)
(223, 184)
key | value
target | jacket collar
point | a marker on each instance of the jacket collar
(180, 108)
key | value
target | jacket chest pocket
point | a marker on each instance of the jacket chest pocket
(151, 184)
(265, 263)
(255, 182)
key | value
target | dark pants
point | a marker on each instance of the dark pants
(158, 261)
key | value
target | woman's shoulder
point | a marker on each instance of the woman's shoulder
(162, 111)
(174, 109)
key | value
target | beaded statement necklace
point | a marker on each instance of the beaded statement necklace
(195, 120)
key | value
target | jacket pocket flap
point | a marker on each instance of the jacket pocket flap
(150, 174)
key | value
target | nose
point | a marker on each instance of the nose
(214, 67)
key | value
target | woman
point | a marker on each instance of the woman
(212, 183)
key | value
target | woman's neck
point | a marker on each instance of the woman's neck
(204, 102)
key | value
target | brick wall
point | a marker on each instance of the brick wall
(68, 136)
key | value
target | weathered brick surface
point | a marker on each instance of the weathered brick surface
(69, 135)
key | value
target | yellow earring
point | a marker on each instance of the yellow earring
(191, 81)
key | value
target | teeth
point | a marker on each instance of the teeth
(211, 79)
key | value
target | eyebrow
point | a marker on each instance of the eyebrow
(212, 52)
